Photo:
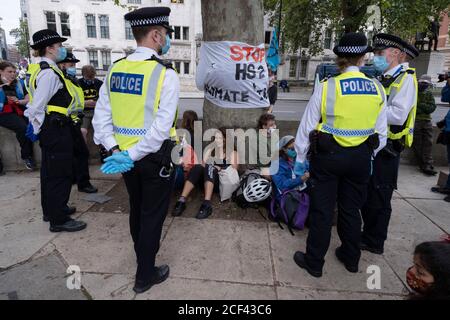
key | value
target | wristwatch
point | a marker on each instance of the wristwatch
(116, 148)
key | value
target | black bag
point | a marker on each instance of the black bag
(238, 195)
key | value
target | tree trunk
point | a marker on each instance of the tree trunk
(232, 20)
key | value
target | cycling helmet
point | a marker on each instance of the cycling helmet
(258, 190)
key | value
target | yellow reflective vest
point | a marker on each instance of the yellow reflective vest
(67, 101)
(351, 105)
(134, 93)
(394, 88)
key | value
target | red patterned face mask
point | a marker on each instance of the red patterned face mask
(415, 283)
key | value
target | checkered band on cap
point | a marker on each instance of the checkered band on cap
(409, 52)
(149, 22)
(388, 43)
(46, 38)
(352, 49)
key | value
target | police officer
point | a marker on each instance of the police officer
(52, 102)
(344, 124)
(391, 55)
(134, 118)
(81, 151)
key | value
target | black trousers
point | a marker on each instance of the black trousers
(149, 204)
(341, 176)
(18, 124)
(376, 213)
(81, 158)
(56, 172)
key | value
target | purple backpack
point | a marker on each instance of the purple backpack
(282, 210)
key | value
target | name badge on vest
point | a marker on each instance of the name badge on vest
(358, 87)
(127, 83)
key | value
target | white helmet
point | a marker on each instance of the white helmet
(258, 190)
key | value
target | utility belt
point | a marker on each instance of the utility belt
(324, 142)
(163, 158)
(58, 119)
(394, 148)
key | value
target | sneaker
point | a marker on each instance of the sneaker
(179, 209)
(204, 212)
(30, 164)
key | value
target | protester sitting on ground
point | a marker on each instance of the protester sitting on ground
(444, 139)
(13, 99)
(423, 130)
(285, 86)
(429, 278)
(216, 159)
(188, 157)
(262, 151)
(282, 169)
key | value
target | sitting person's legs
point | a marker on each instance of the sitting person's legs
(194, 177)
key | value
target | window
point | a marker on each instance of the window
(186, 33)
(177, 1)
(135, 1)
(304, 69)
(91, 27)
(128, 31)
(187, 66)
(268, 37)
(106, 60)
(178, 66)
(328, 38)
(51, 20)
(93, 58)
(177, 33)
(104, 26)
(65, 24)
(293, 68)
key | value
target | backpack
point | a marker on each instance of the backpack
(280, 213)
(238, 195)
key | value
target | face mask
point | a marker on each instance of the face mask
(418, 285)
(62, 54)
(72, 71)
(380, 63)
(165, 49)
(292, 154)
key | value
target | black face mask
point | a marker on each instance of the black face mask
(423, 87)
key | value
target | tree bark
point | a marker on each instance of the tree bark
(232, 20)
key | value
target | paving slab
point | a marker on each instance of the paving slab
(105, 246)
(18, 186)
(221, 250)
(194, 289)
(108, 286)
(41, 279)
(414, 184)
(290, 293)
(77, 198)
(407, 221)
(437, 211)
(335, 276)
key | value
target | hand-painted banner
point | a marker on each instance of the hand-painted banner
(233, 74)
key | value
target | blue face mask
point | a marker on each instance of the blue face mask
(166, 47)
(292, 154)
(62, 54)
(380, 63)
(72, 71)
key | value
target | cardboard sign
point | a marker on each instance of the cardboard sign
(233, 74)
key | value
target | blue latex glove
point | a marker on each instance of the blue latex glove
(30, 133)
(118, 163)
(301, 168)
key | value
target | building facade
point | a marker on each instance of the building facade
(99, 35)
(3, 45)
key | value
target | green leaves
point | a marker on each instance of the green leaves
(21, 36)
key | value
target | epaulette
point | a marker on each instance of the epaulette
(409, 71)
(119, 60)
(44, 65)
(165, 63)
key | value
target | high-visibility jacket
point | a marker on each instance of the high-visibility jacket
(351, 104)
(67, 101)
(392, 90)
(134, 93)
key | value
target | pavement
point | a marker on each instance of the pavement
(236, 254)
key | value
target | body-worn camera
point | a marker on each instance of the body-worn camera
(444, 76)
